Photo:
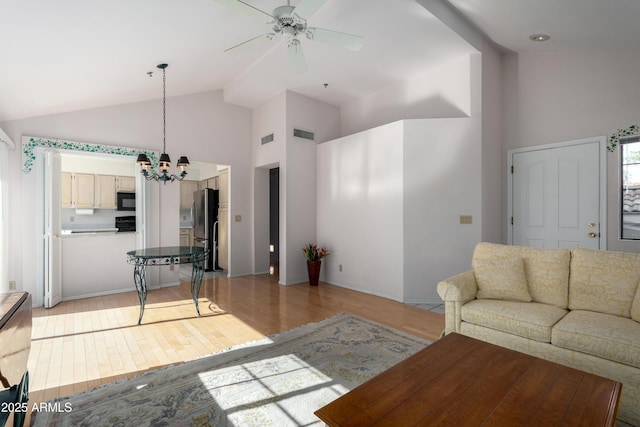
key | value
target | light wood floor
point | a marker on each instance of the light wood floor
(81, 344)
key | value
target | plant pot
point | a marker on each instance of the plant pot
(313, 267)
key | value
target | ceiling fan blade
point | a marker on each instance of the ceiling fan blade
(297, 56)
(306, 8)
(244, 7)
(251, 43)
(345, 40)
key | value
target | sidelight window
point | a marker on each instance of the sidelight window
(630, 179)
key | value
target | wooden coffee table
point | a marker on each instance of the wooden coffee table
(461, 381)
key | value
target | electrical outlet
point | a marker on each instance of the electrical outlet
(465, 219)
(12, 285)
(171, 267)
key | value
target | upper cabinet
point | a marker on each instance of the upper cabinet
(187, 188)
(209, 183)
(106, 191)
(66, 195)
(83, 190)
(223, 186)
(78, 190)
(125, 184)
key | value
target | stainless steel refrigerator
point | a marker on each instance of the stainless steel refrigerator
(205, 224)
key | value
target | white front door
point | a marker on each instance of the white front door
(53, 229)
(557, 194)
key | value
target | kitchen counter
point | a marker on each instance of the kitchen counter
(96, 263)
(87, 229)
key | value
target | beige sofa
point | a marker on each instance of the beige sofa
(578, 307)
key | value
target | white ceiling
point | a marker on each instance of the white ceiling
(574, 25)
(67, 55)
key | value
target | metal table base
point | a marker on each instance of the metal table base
(171, 255)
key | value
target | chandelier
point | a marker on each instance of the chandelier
(164, 165)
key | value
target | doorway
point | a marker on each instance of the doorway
(556, 195)
(274, 222)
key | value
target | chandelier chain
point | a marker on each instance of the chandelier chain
(146, 168)
(164, 110)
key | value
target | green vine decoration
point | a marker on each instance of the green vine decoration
(30, 157)
(614, 139)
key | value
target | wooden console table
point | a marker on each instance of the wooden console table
(461, 381)
(15, 345)
(169, 255)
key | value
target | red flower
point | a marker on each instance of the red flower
(312, 253)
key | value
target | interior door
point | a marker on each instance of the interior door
(53, 227)
(556, 196)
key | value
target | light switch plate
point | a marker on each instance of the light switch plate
(465, 219)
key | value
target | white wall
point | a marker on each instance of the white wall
(389, 203)
(553, 98)
(300, 177)
(266, 119)
(493, 153)
(4, 216)
(442, 180)
(296, 159)
(201, 126)
(360, 210)
(443, 91)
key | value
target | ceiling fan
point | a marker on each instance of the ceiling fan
(290, 22)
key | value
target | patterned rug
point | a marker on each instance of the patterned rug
(278, 381)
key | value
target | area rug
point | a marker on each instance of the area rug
(277, 381)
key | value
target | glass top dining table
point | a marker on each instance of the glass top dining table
(167, 255)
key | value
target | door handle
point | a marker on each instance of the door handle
(592, 225)
(592, 235)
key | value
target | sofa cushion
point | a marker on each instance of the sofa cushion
(527, 319)
(603, 281)
(501, 278)
(603, 335)
(635, 307)
(546, 269)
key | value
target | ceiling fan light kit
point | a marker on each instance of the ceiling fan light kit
(291, 22)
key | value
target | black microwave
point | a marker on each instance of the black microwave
(126, 201)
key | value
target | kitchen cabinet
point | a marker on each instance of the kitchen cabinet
(187, 188)
(223, 238)
(83, 190)
(78, 190)
(106, 191)
(209, 183)
(223, 219)
(126, 184)
(223, 186)
(66, 193)
(186, 237)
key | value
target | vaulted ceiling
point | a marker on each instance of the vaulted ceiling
(68, 55)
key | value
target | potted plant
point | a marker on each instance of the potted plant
(314, 257)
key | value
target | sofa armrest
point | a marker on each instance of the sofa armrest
(455, 292)
(461, 287)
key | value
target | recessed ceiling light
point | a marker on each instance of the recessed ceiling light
(539, 37)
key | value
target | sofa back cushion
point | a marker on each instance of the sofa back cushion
(501, 278)
(603, 281)
(635, 307)
(546, 269)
